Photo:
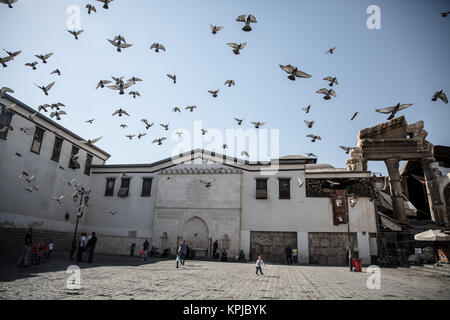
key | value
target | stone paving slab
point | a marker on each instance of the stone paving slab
(125, 278)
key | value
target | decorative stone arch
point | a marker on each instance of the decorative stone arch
(195, 231)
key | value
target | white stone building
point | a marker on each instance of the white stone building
(245, 206)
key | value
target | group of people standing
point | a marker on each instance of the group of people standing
(291, 255)
(86, 247)
(36, 249)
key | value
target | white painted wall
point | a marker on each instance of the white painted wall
(19, 208)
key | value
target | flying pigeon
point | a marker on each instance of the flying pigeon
(179, 134)
(258, 124)
(8, 2)
(121, 87)
(309, 123)
(204, 131)
(245, 153)
(120, 43)
(157, 47)
(130, 136)
(90, 8)
(214, 29)
(239, 121)
(44, 57)
(165, 126)
(294, 72)
(120, 112)
(118, 80)
(90, 142)
(102, 83)
(173, 77)
(10, 57)
(32, 64)
(354, 116)
(306, 109)
(314, 137)
(191, 108)
(247, 20)
(56, 72)
(331, 51)
(300, 182)
(347, 149)
(214, 93)
(237, 47)
(332, 80)
(75, 33)
(327, 93)
(123, 126)
(57, 114)
(140, 135)
(47, 88)
(133, 80)
(311, 155)
(147, 125)
(441, 95)
(176, 109)
(134, 93)
(90, 121)
(159, 140)
(393, 110)
(230, 83)
(207, 183)
(105, 3)
(58, 199)
(445, 14)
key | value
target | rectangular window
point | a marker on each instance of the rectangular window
(37, 140)
(285, 188)
(5, 122)
(57, 146)
(146, 187)
(109, 191)
(87, 165)
(124, 187)
(74, 164)
(261, 188)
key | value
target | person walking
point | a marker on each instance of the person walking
(91, 245)
(295, 255)
(182, 250)
(288, 252)
(81, 247)
(24, 259)
(74, 248)
(132, 248)
(259, 263)
(51, 247)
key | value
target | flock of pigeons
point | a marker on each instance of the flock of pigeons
(118, 84)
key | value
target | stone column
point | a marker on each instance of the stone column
(437, 209)
(396, 189)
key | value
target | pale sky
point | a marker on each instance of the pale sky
(405, 61)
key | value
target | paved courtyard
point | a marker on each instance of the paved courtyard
(122, 277)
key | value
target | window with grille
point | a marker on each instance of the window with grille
(57, 146)
(146, 187)
(124, 187)
(285, 188)
(37, 140)
(5, 122)
(87, 165)
(74, 164)
(261, 188)
(109, 190)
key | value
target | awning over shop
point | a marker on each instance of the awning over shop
(389, 223)
(386, 203)
(432, 235)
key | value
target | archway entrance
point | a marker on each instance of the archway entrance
(196, 234)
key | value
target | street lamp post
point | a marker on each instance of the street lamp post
(83, 195)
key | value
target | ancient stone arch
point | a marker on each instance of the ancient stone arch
(392, 142)
(196, 233)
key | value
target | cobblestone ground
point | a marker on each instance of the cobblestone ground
(121, 277)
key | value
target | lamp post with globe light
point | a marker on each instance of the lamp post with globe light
(84, 196)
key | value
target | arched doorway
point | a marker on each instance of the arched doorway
(196, 234)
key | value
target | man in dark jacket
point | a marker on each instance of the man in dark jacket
(288, 252)
(91, 246)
